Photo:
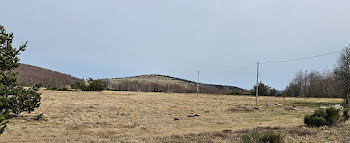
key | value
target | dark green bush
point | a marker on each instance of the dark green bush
(333, 116)
(234, 93)
(39, 117)
(93, 85)
(57, 89)
(78, 85)
(323, 117)
(271, 137)
(253, 137)
(262, 137)
(315, 121)
(239, 93)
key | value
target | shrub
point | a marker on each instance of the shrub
(262, 137)
(57, 89)
(323, 117)
(332, 117)
(314, 121)
(346, 115)
(93, 85)
(234, 93)
(51, 88)
(271, 137)
(239, 93)
(78, 85)
(251, 137)
(3, 123)
(39, 117)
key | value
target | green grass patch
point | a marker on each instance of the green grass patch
(314, 104)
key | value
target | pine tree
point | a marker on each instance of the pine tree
(14, 99)
(264, 90)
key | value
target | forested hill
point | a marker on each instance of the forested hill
(161, 83)
(29, 75)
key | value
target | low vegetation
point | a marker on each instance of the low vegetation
(57, 88)
(326, 117)
(239, 93)
(39, 117)
(262, 137)
(3, 123)
(314, 104)
(93, 85)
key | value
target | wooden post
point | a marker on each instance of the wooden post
(257, 82)
(198, 84)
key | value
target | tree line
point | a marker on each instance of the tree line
(314, 84)
(331, 84)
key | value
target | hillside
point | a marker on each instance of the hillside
(29, 75)
(161, 83)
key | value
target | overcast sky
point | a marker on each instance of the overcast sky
(222, 38)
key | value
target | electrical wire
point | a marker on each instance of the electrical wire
(300, 59)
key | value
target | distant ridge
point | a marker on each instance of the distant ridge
(160, 83)
(29, 75)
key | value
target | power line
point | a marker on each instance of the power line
(291, 60)
(300, 59)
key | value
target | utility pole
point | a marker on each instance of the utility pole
(168, 88)
(168, 83)
(198, 84)
(150, 86)
(257, 82)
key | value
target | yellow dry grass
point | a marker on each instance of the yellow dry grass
(111, 116)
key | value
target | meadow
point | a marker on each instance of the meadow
(112, 116)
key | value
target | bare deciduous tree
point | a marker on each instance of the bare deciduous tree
(342, 73)
(314, 84)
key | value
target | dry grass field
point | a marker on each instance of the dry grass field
(111, 116)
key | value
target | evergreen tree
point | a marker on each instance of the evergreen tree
(14, 99)
(264, 90)
(96, 85)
